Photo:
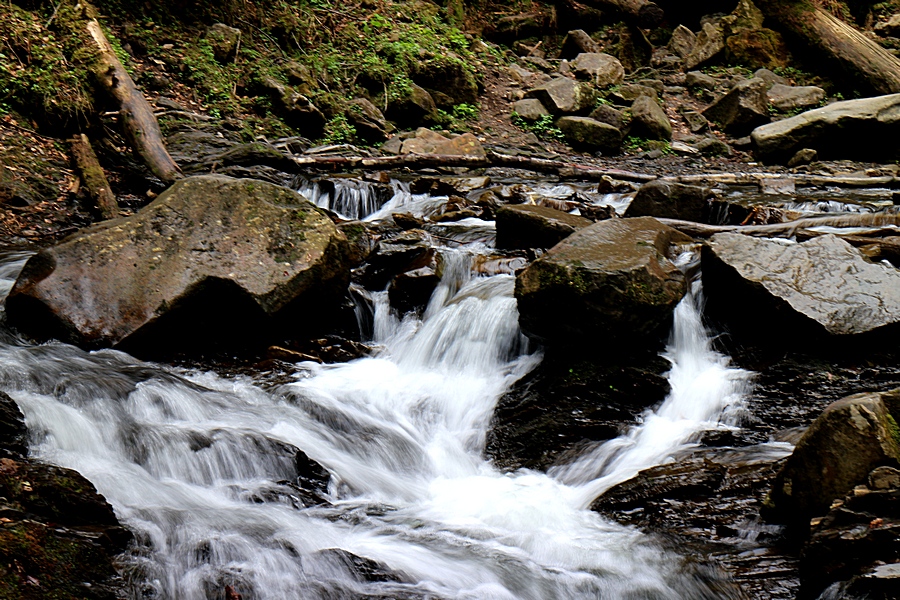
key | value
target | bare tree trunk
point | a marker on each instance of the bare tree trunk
(93, 178)
(138, 122)
(861, 58)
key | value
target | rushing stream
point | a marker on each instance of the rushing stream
(198, 465)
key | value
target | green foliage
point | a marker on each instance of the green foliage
(634, 145)
(41, 72)
(544, 127)
(465, 112)
(338, 130)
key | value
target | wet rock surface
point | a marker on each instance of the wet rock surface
(852, 437)
(816, 288)
(262, 250)
(568, 404)
(612, 279)
(529, 226)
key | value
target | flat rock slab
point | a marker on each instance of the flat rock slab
(611, 279)
(866, 128)
(208, 245)
(821, 286)
(522, 226)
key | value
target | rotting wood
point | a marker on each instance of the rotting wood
(93, 179)
(139, 125)
(492, 159)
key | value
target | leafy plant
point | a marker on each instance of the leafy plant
(338, 130)
(544, 127)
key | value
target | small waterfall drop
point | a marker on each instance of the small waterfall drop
(200, 466)
(706, 393)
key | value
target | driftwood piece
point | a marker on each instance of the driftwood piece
(135, 114)
(93, 179)
(644, 13)
(492, 159)
(859, 57)
(788, 229)
(800, 179)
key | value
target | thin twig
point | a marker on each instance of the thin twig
(53, 16)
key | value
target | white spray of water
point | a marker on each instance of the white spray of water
(198, 465)
(706, 393)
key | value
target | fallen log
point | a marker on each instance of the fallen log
(645, 14)
(788, 229)
(491, 159)
(800, 179)
(93, 179)
(139, 124)
(859, 57)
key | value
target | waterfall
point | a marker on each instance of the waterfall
(706, 393)
(200, 466)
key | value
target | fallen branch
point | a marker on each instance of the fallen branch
(492, 159)
(801, 179)
(135, 114)
(103, 201)
(789, 229)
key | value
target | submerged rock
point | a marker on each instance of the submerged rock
(211, 258)
(612, 279)
(860, 129)
(822, 287)
(850, 438)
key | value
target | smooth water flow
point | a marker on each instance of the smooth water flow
(201, 467)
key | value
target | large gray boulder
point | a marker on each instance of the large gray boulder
(584, 133)
(743, 108)
(708, 43)
(602, 69)
(564, 95)
(610, 280)
(866, 128)
(522, 226)
(786, 97)
(844, 444)
(820, 288)
(211, 254)
(649, 120)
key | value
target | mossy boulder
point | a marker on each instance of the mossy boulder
(523, 226)
(844, 444)
(585, 133)
(649, 120)
(212, 259)
(564, 96)
(758, 48)
(610, 281)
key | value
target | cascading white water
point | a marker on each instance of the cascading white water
(197, 464)
(705, 394)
